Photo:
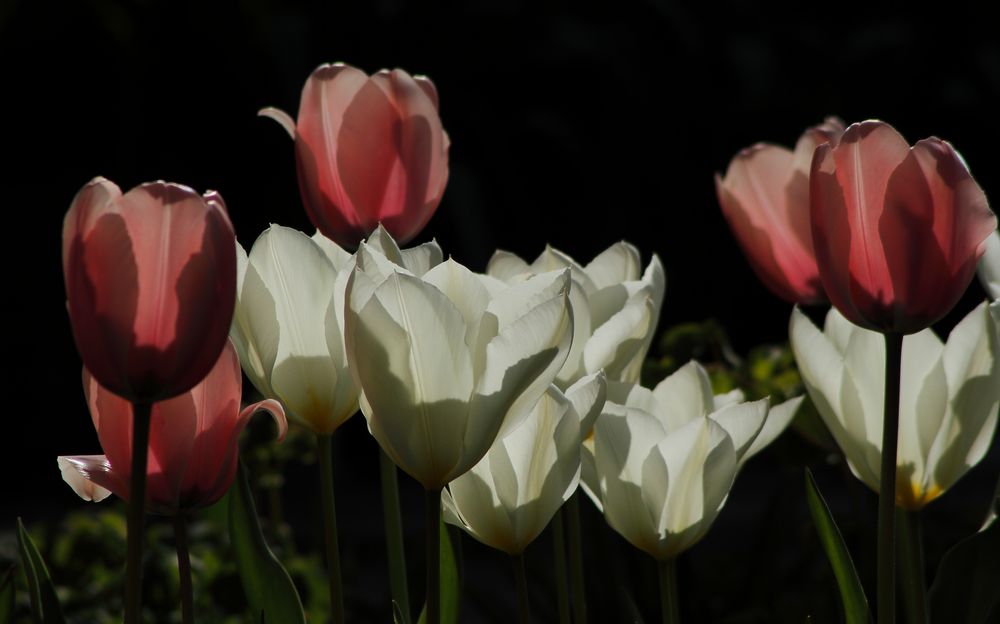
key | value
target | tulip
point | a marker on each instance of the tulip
(897, 230)
(193, 446)
(989, 266)
(765, 198)
(288, 325)
(509, 497)
(948, 398)
(681, 430)
(150, 283)
(665, 459)
(615, 307)
(443, 358)
(368, 150)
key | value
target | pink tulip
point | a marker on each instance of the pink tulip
(369, 150)
(897, 230)
(192, 445)
(765, 198)
(150, 283)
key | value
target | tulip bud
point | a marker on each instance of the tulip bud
(765, 198)
(150, 285)
(193, 448)
(897, 230)
(368, 150)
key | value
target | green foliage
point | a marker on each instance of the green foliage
(45, 606)
(7, 593)
(267, 585)
(851, 593)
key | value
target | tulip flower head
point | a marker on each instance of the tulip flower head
(442, 358)
(948, 398)
(662, 461)
(369, 150)
(765, 198)
(150, 285)
(509, 497)
(289, 325)
(897, 230)
(616, 306)
(193, 448)
(989, 266)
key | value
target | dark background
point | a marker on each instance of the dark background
(576, 124)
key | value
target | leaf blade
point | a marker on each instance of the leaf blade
(450, 580)
(45, 605)
(964, 589)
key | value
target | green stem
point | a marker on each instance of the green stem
(325, 447)
(669, 604)
(559, 563)
(887, 482)
(136, 511)
(433, 517)
(521, 580)
(912, 582)
(394, 535)
(184, 568)
(576, 559)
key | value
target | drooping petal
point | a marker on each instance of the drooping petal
(86, 473)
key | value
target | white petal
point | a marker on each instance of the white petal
(617, 345)
(422, 258)
(478, 508)
(254, 331)
(339, 257)
(465, 290)
(923, 402)
(778, 419)
(743, 423)
(588, 396)
(989, 266)
(686, 394)
(551, 259)
(507, 267)
(618, 263)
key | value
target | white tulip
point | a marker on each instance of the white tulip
(989, 266)
(662, 461)
(948, 398)
(443, 358)
(509, 497)
(288, 325)
(615, 309)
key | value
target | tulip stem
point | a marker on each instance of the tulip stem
(184, 568)
(394, 535)
(141, 412)
(887, 481)
(669, 604)
(913, 584)
(576, 559)
(325, 447)
(559, 563)
(433, 517)
(521, 580)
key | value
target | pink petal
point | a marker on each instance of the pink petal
(935, 221)
(90, 477)
(112, 416)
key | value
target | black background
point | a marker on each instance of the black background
(576, 124)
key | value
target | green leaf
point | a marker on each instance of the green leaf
(397, 614)
(965, 588)
(45, 607)
(851, 593)
(450, 587)
(268, 587)
(7, 596)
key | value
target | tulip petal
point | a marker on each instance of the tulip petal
(507, 266)
(935, 221)
(284, 119)
(616, 264)
(685, 395)
(742, 422)
(778, 419)
(85, 473)
(254, 332)
(465, 290)
(617, 345)
(989, 266)
(588, 395)
(551, 259)
(339, 257)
